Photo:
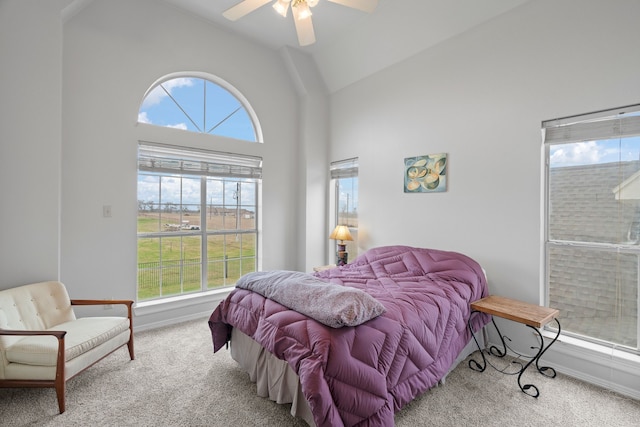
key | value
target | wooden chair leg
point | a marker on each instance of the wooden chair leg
(130, 343)
(60, 394)
(59, 382)
(130, 347)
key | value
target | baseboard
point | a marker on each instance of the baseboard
(603, 367)
(619, 373)
(609, 385)
(173, 321)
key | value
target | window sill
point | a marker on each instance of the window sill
(596, 349)
(171, 303)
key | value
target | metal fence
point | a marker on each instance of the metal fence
(175, 277)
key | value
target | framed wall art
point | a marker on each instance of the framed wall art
(425, 174)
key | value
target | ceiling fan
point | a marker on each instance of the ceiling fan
(301, 10)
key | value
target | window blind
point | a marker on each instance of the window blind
(347, 168)
(190, 161)
(621, 122)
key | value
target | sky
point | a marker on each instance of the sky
(592, 152)
(197, 105)
(150, 186)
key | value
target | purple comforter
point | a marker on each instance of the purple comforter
(362, 375)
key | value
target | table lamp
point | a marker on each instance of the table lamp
(341, 233)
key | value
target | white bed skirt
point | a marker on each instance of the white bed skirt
(274, 377)
(276, 380)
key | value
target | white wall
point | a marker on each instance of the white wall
(113, 52)
(313, 176)
(30, 142)
(480, 97)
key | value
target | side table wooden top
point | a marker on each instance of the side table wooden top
(518, 311)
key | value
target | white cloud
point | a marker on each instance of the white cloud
(158, 94)
(581, 153)
(144, 118)
(182, 126)
(172, 188)
(154, 97)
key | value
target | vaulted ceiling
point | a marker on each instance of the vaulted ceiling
(352, 44)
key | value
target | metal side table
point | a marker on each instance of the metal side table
(531, 315)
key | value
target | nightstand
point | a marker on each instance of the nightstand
(531, 315)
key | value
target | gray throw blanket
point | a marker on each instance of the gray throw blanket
(331, 304)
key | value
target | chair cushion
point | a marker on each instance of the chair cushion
(82, 335)
(37, 306)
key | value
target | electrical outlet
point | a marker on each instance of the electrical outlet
(108, 306)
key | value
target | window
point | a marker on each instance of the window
(199, 105)
(344, 175)
(592, 225)
(197, 208)
(196, 219)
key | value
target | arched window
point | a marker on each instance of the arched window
(197, 208)
(199, 104)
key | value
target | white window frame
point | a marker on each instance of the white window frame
(257, 129)
(210, 143)
(169, 160)
(347, 168)
(607, 124)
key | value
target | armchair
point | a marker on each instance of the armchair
(43, 344)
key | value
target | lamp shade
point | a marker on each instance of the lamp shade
(341, 232)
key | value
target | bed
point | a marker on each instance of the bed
(351, 346)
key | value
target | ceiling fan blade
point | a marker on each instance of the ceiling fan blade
(363, 5)
(243, 8)
(304, 28)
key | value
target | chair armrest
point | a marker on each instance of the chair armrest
(59, 381)
(101, 302)
(127, 302)
(19, 332)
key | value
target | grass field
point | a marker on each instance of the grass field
(170, 263)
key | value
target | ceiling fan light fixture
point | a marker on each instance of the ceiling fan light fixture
(282, 6)
(300, 9)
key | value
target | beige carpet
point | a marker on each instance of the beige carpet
(176, 380)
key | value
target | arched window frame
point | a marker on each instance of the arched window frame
(220, 82)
